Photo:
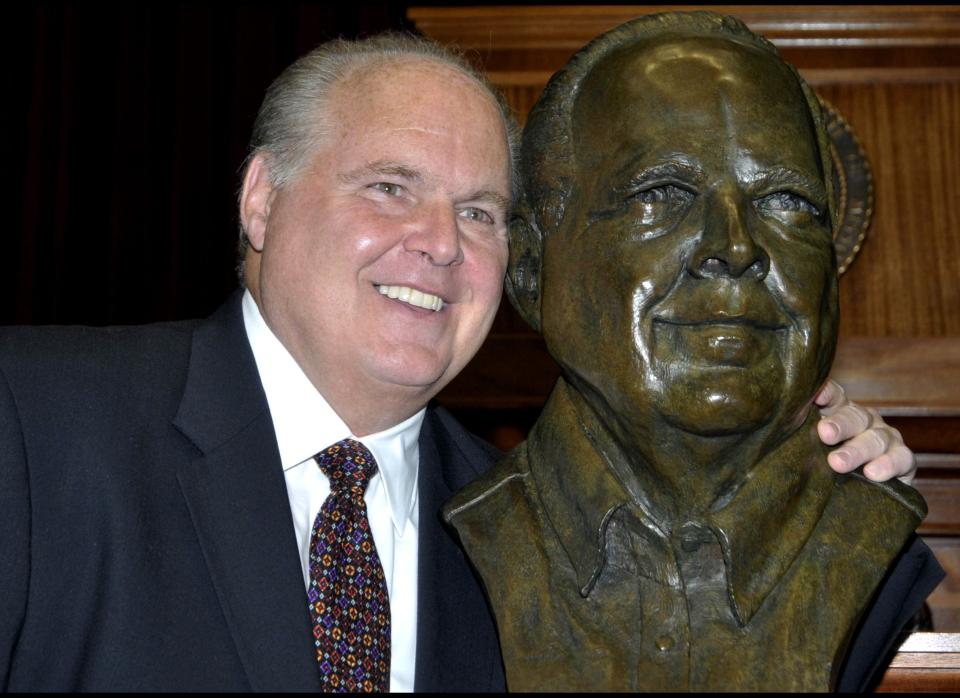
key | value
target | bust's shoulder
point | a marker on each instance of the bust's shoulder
(868, 521)
(891, 495)
(500, 492)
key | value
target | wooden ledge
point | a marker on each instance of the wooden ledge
(925, 662)
(901, 376)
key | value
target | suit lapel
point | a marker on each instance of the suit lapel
(457, 647)
(238, 502)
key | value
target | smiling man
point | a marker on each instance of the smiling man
(251, 501)
(671, 523)
(379, 268)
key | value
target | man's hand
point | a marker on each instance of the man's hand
(866, 438)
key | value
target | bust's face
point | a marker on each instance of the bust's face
(693, 279)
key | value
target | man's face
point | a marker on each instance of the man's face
(693, 279)
(401, 211)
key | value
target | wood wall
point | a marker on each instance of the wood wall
(893, 72)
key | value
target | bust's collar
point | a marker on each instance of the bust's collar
(760, 530)
(578, 490)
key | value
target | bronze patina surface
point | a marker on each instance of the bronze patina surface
(671, 522)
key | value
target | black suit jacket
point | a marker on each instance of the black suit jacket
(145, 533)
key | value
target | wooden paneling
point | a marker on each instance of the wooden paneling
(944, 602)
(938, 480)
(884, 373)
(904, 283)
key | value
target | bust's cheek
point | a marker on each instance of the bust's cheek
(802, 270)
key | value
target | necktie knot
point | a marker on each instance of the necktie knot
(348, 464)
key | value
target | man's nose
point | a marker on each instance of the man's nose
(435, 234)
(727, 248)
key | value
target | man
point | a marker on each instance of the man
(670, 524)
(160, 488)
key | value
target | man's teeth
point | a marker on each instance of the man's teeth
(412, 296)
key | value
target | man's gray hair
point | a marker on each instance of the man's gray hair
(293, 119)
(547, 161)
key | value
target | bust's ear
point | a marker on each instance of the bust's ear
(525, 267)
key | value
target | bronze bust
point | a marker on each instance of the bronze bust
(671, 522)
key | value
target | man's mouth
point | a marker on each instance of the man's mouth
(412, 296)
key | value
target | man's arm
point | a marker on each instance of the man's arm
(14, 531)
(865, 438)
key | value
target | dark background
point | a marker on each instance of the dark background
(124, 129)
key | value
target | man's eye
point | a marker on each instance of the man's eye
(786, 201)
(387, 188)
(477, 214)
(657, 202)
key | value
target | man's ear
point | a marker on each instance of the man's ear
(525, 267)
(256, 196)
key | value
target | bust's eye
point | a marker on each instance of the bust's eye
(659, 202)
(387, 188)
(786, 201)
(662, 194)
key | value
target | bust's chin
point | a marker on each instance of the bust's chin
(722, 401)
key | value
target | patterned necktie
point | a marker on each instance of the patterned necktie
(348, 594)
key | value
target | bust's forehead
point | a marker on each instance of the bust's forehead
(685, 93)
(675, 63)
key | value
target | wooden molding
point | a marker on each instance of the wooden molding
(810, 26)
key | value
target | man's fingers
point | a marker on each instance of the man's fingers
(830, 398)
(881, 449)
(864, 448)
(841, 461)
(828, 431)
(897, 462)
(845, 422)
(866, 439)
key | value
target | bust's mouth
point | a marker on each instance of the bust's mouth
(738, 341)
(757, 321)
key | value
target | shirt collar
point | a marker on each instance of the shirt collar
(761, 529)
(305, 423)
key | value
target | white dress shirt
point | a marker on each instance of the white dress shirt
(305, 424)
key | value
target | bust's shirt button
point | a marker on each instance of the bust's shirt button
(664, 643)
